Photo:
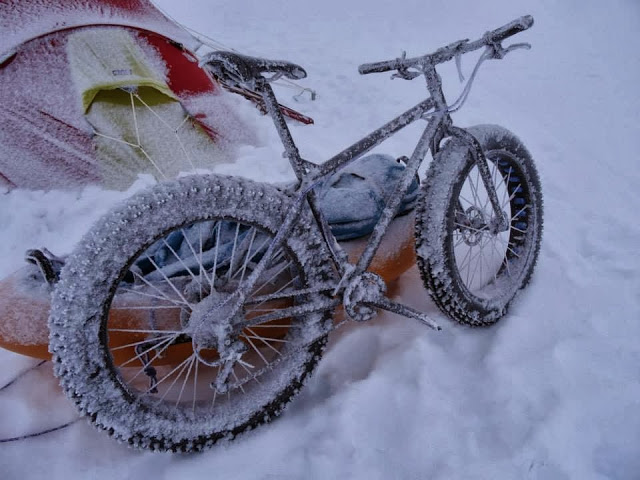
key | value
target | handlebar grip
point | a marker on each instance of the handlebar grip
(377, 67)
(511, 28)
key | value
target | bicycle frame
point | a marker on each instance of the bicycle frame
(439, 126)
(311, 175)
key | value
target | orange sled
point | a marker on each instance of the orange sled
(25, 303)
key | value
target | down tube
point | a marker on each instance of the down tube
(391, 208)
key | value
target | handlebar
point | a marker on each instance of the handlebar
(444, 54)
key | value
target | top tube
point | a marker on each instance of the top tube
(448, 52)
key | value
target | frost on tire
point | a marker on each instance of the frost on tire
(471, 271)
(134, 333)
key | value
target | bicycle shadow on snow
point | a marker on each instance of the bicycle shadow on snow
(355, 351)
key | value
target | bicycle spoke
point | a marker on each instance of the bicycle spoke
(149, 307)
(168, 280)
(267, 282)
(487, 269)
(130, 330)
(215, 257)
(508, 245)
(201, 270)
(480, 262)
(466, 227)
(249, 256)
(475, 269)
(458, 242)
(163, 296)
(519, 212)
(465, 259)
(474, 188)
(513, 195)
(518, 230)
(166, 344)
(181, 261)
(195, 386)
(253, 377)
(237, 381)
(145, 294)
(141, 342)
(186, 377)
(503, 261)
(246, 364)
(286, 285)
(256, 350)
(195, 255)
(233, 251)
(258, 337)
(462, 197)
(182, 365)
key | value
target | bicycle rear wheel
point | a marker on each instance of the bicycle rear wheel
(471, 271)
(141, 319)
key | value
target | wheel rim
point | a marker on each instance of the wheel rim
(487, 262)
(152, 343)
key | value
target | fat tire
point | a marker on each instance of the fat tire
(434, 225)
(82, 299)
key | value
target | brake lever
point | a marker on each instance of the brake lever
(498, 52)
(517, 46)
(405, 74)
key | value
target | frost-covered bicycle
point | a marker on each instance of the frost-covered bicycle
(197, 309)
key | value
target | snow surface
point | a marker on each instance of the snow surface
(551, 392)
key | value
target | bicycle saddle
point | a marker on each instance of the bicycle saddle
(245, 69)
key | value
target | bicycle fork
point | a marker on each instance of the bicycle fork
(502, 222)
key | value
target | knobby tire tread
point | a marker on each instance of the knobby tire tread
(435, 263)
(73, 335)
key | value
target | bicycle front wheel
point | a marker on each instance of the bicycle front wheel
(471, 270)
(147, 335)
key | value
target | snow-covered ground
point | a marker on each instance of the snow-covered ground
(551, 392)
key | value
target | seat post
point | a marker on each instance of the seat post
(271, 103)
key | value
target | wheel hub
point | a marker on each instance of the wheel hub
(474, 225)
(212, 320)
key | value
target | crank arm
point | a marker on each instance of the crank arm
(280, 313)
(400, 309)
